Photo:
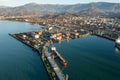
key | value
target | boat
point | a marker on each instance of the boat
(117, 43)
(62, 60)
(64, 63)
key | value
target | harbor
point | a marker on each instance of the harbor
(60, 40)
(51, 66)
(40, 41)
(88, 57)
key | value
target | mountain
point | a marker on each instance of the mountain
(49, 9)
(3, 7)
(93, 12)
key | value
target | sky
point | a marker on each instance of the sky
(14, 3)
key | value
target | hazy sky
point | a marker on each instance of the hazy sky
(22, 2)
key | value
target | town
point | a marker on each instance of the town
(104, 26)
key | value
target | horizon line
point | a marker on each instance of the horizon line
(56, 3)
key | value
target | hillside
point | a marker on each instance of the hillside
(44, 9)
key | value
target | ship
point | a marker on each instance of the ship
(117, 43)
(61, 59)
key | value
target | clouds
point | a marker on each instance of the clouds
(22, 2)
(16, 2)
(7, 2)
(4, 0)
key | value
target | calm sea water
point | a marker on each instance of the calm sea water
(18, 61)
(89, 58)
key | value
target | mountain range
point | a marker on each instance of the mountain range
(94, 9)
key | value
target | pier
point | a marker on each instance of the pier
(51, 66)
(54, 71)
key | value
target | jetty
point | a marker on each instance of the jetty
(51, 66)
(53, 69)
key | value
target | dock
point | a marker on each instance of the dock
(54, 71)
(51, 66)
(106, 37)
